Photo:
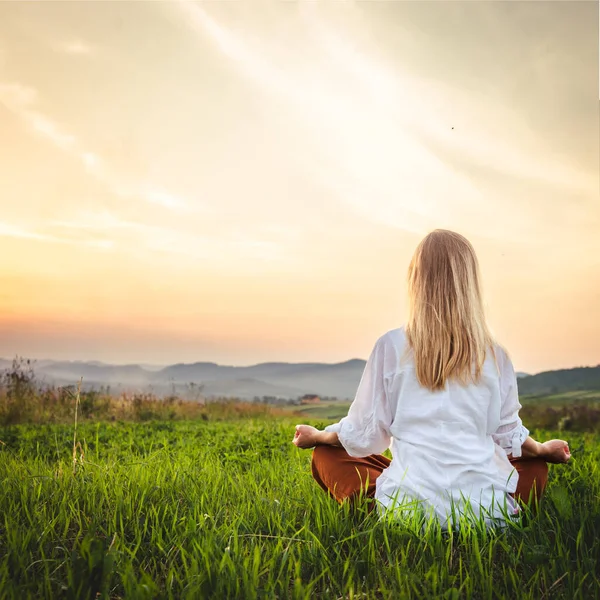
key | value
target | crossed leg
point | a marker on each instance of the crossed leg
(533, 477)
(345, 477)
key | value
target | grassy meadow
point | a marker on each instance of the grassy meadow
(146, 498)
(212, 508)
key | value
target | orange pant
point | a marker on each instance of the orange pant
(344, 476)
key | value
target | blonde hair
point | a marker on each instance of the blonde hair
(446, 329)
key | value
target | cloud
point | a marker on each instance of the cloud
(485, 129)
(16, 96)
(105, 229)
(365, 144)
(49, 129)
(14, 231)
(75, 47)
(18, 232)
(94, 221)
(382, 139)
(333, 121)
(90, 160)
(21, 100)
(100, 244)
(385, 147)
(163, 198)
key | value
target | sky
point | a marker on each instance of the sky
(241, 182)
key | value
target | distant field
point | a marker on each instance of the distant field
(324, 410)
(207, 509)
(533, 406)
(562, 398)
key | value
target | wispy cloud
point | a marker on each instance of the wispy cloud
(388, 149)
(164, 198)
(17, 97)
(90, 160)
(94, 221)
(107, 230)
(485, 129)
(76, 47)
(16, 231)
(22, 100)
(334, 122)
(51, 130)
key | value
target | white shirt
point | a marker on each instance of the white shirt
(449, 447)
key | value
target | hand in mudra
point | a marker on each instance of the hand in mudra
(556, 451)
(305, 436)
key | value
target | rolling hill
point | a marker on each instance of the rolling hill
(275, 379)
(282, 380)
(563, 380)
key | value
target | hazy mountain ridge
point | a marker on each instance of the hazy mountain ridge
(280, 379)
(564, 380)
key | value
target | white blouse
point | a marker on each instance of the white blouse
(449, 447)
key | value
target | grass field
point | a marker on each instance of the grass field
(206, 509)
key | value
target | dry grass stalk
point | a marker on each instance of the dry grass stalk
(77, 401)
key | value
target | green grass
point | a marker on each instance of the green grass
(203, 509)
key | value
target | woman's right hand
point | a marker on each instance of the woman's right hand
(306, 436)
(555, 451)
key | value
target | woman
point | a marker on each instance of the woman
(444, 397)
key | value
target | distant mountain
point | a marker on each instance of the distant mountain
(93, 373)
(282, 380)
(564, 380)
(279, 379)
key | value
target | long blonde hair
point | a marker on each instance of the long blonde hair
(446, 329)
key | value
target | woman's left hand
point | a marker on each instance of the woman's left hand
(306, 436)
(555, 451)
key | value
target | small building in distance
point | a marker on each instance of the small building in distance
(310, 399)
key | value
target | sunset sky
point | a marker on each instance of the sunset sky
(242, 182)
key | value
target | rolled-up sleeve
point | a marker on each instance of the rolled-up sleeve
(366, 429)
(511, 433)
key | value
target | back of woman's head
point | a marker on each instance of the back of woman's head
(446, 327)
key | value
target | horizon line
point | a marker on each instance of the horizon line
(247, 366)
